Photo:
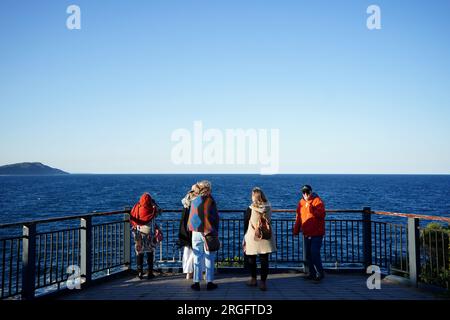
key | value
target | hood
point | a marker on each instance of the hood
(146, 200)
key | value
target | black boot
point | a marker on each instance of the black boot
(150, 274)
(211, 286)
(195, 286)
(140, 268)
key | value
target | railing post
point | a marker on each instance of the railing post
(305, 263)
(367, 236)
(86, 248)
(414, 250)
(127, 241)
(28, 261)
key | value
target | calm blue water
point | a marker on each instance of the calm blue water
(33, 197)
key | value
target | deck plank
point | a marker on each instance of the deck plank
(281, 286)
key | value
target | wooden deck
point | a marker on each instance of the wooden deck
(281, 286)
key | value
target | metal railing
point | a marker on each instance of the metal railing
(11, 266)
(55, 251)
(38, 260)
(435, 260)
(343, 242)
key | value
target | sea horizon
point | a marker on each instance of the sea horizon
(230, 173)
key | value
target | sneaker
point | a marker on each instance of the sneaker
(211, 286)
(140, 275)
(150, 275)
(195, 286)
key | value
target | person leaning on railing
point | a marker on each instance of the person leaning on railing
(203, 222)
(145, 232)
(253, 245)
(310, 220)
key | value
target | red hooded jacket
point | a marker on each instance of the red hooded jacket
(310, 217)
(144, 211)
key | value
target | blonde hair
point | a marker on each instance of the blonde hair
(260, 197)
(204, 187)
(193, 193)
(195, 189)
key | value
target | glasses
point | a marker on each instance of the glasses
(306, 192)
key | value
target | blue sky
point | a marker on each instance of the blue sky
(106, 98)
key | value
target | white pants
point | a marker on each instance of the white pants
(188, 260)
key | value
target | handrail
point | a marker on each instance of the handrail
(127, 210)
(65, 218)
(411, 215)
(279, 210)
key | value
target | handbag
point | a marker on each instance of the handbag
(212, 242)
(158, 237)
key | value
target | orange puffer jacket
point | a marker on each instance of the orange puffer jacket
(310, 217)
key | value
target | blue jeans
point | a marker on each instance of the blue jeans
(313, 245)
(202, 256)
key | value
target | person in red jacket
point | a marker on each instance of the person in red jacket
(145, 232)
(310, 219)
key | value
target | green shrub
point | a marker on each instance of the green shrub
(435, 247)
(232, 262)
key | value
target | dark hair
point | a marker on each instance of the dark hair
(306, 188)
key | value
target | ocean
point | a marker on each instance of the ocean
(35, 197)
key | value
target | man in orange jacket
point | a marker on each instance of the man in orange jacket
(310, 220)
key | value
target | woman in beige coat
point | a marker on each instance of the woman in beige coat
(254, 246)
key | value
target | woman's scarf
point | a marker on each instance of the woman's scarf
(261, 208)
(144, 211)
(186, 201)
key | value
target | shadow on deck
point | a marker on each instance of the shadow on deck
(281, 286)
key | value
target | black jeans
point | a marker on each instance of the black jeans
(140, 261)
(264, 259)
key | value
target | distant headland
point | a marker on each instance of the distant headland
(29, 168)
